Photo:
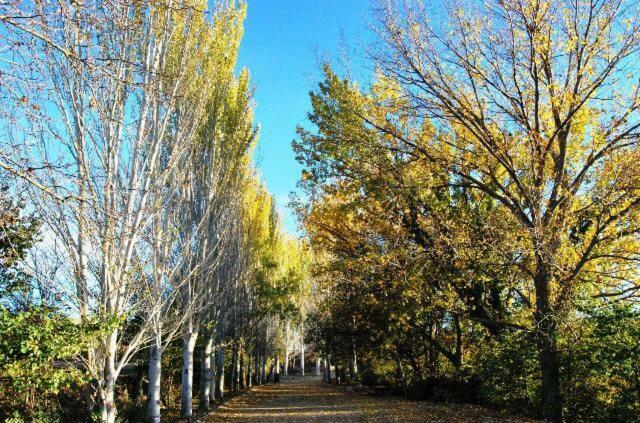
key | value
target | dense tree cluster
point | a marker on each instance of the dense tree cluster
(474, 211)
(128, 134)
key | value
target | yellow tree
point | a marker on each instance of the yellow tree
(536, 105)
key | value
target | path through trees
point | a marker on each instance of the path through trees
(306, 399)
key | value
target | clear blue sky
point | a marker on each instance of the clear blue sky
(283, 43)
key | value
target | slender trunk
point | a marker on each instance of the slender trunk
(302, 349)
(328, 364)
(286, 362)
(234, 367)
(249, 364)
(108, 406)
(351, 370)
(546, 334)
(206, 374)
(263, 370)
(212, 381)
(257, 367)
(355, 365)
(317, 366)
(153, 391)
(108, 384)
(302, 358)
(220, 376)
(325, 372)
(241, 368)
(190, 338)
(277, 376)
(286, 349)
(401, 375)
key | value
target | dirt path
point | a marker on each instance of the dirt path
(306, 399)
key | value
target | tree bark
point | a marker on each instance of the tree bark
(108, 384)
(212, 382)
(325, 379)
(190, 338)
(155, 367)
(206, 374)
(546, 336)
(249, 364)
(302, 349)
(263, 369)
(234, 367)
(256, 375)
(220, 375)
(241, 368)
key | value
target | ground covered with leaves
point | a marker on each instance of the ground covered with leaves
(304, 399)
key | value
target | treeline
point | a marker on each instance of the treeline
(136, 224)
(474, 209)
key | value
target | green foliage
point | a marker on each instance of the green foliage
(602, 364)
(508, 370)
(39, 355)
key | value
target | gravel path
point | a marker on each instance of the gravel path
(306, 399)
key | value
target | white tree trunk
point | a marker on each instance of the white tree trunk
(286, 361)
(206, 374)
(212, 382)
(190, 337)
(107, 391)
(220, 381)
(302, 358)
(354, 374)
(249, 364)
(155, 367)
(108, 406)
(318, 366)
(286, 349)
(325, 374)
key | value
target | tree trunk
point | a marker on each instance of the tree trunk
(546, 334)
(302, 353)
(108, 406)
(212, 381)
(263, 370)
(355, 365)
(108, 384)
(257, 368)
(317, 366)
(240, 368)
(206, 374)
(190, 338)
(155, 367)
(325, 374)
(234, 367)
(220, 376)
(249, 364)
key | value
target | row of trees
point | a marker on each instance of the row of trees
(128, 136)
(481, 199)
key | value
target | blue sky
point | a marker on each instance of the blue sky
(283, 43)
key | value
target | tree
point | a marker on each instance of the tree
(538, 106)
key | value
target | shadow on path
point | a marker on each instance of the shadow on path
(306, 399)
